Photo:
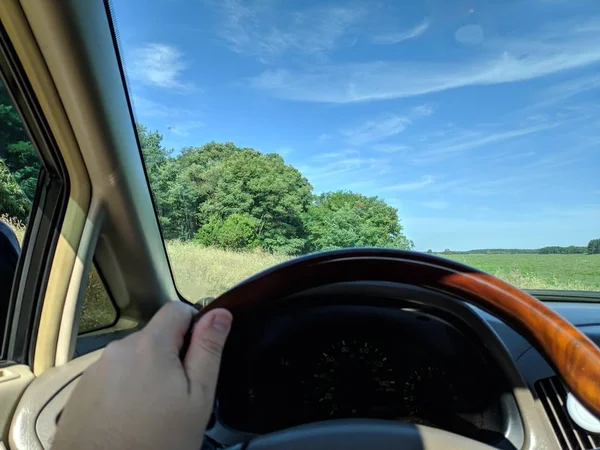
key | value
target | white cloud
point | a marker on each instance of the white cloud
(498, 61)
(335, 155)
(560, 92)
(144, 107)
(324, 137)
(349, 171)
(384, 126)
(468, 140)
(179, 121)
(258, 29)
(400, 36)
(186, 127)
(390, 148)
(159, 65)
(423, 182)
(436, 204)
(328, 171)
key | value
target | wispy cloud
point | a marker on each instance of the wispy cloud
(384, 126)
(497, 61)
(186, 127)
(471, 139)
(335, 170)
(336, 155)
(439, 204)
(328, 171)
(324, 137)
(159, 65)
(144, 107)
(561, 92)
(390, 148)
(416, 185)
(404, 35)
(179, 121)
(262, 31)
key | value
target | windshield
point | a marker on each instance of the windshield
(272, 129)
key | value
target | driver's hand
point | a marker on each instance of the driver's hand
(140, 395)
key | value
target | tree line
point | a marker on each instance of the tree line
(231, 197)
(239, 199)
(593, 247)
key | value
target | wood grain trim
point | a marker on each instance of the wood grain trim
(575, 358)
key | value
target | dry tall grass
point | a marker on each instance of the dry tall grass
(207, 272)
(202, 272)
(16, 225)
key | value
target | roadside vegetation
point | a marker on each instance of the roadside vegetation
(201, 272)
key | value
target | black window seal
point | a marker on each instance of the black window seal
(47, 214)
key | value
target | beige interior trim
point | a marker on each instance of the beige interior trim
(77, 47)
(34, 421)
(26, 46)
(13, 381)
(68, 54)
(78, 283)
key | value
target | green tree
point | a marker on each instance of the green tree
(155, 155)
(236, 198)
(593, 247)
(263, 187)
(13, 201)
(190, 182)
(236, 232)
(347, 219)
(173, 196)
(208, 234)
(16, 150)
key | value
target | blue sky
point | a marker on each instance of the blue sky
(478, 120)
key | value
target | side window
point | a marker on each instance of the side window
(98, 309)
(19, 173)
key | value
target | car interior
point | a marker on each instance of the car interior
(439, 354)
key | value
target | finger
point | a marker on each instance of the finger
(203, 357)
(171, 323)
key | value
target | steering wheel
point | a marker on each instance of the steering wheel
(575, 358)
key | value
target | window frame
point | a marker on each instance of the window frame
(112, 23)
(47, 214)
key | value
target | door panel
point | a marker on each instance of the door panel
(36, 415)
(13, 381)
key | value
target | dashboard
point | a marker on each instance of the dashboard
(333, 357)
(438, 348)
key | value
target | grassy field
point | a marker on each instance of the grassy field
(533, 271)
(201, 272)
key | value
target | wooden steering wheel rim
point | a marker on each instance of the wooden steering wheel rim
(575, 357)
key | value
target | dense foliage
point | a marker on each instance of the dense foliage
(19, 166)
(346, 219)
(593, 247)
(238, 198)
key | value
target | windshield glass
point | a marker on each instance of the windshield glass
(272, 129)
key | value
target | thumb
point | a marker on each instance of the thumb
(203, 357)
